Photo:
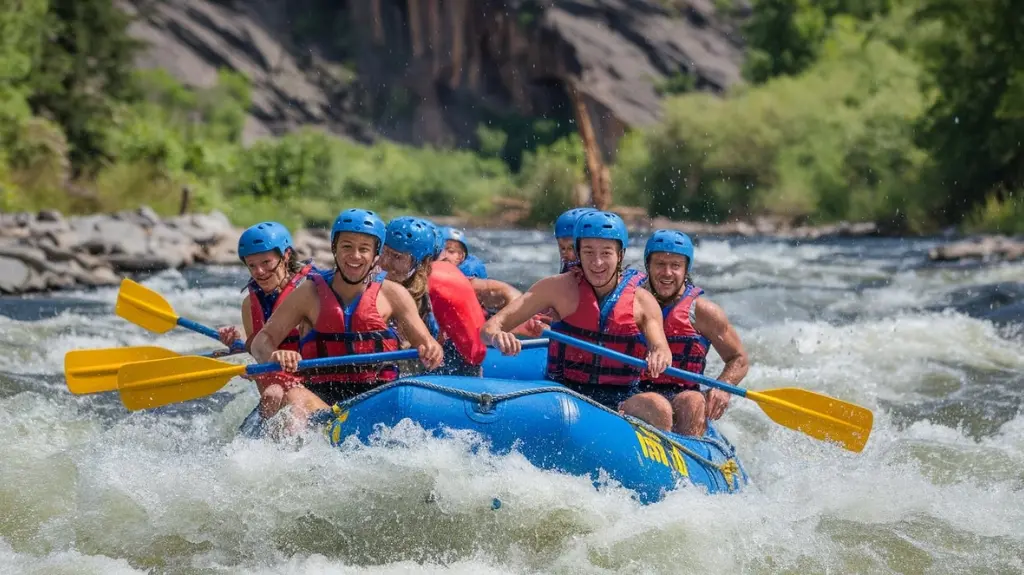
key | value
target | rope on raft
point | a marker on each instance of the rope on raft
(487, 402)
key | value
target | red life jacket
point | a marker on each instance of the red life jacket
(457, 311)
(689, 348)
(357, 329)
(609, 325)
(260, 309)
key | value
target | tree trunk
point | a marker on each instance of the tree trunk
(378, 23)
(415, 27)
(600, 177)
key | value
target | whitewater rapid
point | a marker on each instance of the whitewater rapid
(86, 487)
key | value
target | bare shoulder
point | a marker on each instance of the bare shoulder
(394, 292)
(709, 317)
(306, 289)
(554, 284)
(645, 303)
(709, 309)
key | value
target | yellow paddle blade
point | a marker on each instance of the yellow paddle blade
(95, 370)
(144, 307)
(160, 382)
(820, 416)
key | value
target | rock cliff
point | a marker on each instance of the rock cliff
(429, 71)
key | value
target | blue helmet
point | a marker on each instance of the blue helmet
(438, 238)
(413, 236)
(264, 237)
(566, 223)
(472, 267)
(600, 225)
(670, 241)
(450, 233)
(360, 222)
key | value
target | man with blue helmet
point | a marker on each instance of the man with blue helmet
(564, 226)
(274, 273)
(600, 304)
(349, 313)
(443, 295)
(692, 325)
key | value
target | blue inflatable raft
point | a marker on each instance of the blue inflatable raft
(553, 427)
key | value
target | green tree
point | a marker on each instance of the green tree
(975, 127)
(785, 36)
(83, 71)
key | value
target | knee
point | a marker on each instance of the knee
(302, 399)
(272, 394)
(270, 400)
(650, 407)
(689, 409)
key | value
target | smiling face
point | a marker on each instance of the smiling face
(398, 265)
(453, 252)
(667, 273)
(354, 254)
(268, 269)
(566, 250)
(599, 259)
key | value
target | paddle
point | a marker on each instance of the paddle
(817, 415)
(149, 310)
(95, 370)
(533, 343)
(160, 382)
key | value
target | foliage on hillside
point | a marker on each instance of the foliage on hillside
(908, 112)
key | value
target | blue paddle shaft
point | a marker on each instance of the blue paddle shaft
(382, 357)
(237, 345)
(629, 360)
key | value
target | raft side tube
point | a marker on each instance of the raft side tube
(552, 427)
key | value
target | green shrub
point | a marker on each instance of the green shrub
(835, 142)
(1000, 213)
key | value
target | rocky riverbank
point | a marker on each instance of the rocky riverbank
(47, 251)
(984, 248)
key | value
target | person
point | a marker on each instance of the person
(601, 305)
(492, 294)
(692, 323)
(443, 295)
(564, 226)
(275, 271)
(348, 310)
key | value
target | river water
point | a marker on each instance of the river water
(935, 351)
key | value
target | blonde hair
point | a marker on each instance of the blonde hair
(418, 287)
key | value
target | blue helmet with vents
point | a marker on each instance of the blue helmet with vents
(669, 241)
(413, 236)
(600, 225)
(359, 221)
(566, 223)
(263, 237)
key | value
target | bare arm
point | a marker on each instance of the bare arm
(550, 292)
(647, 314)
(403, 310)
(494, 294)
(300, 305)
(246, 318)
(710, 320)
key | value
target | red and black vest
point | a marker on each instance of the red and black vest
(349, 330)
(261, 307)
(610, 324)
(689, 348)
